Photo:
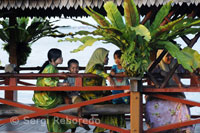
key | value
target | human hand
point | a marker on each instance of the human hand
(63, 84)
(112, 73)
(126, 91)
(112, 83)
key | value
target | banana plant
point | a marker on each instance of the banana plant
(137, 40)
(27, 32)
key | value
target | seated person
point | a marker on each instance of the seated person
(159, 112)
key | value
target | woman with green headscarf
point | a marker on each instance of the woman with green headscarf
(96, 66)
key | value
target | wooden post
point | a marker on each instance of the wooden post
(136, 106)
(12, 95)
(78, 81)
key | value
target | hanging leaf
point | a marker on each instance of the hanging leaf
(163, 29)
(131, 13)
(85, 23)
(114, 15)
(100, 19)
(188, 58)
(142, 31)
(87, 41)
(162, 13)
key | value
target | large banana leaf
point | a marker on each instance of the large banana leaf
(100, 19)
(131, 13)
(142, 31)
(162, 13)
(164, 29)
(114, 15)
(188, 58)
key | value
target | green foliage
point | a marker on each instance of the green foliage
(136, 40)
(189, 58)
(114, 15)
(25, 35)
(131, 13)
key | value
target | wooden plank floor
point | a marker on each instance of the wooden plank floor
(39, 125)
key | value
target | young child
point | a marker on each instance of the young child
(117, 69)
(73, 97)
(73, 67)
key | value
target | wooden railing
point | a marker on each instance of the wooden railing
(11, 82)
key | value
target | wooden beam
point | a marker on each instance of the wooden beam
(136, 108)
(153, 65)
(106, 109)
(147, 17)
(12, 95)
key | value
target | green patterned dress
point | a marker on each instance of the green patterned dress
(115, 120)
(50, 99)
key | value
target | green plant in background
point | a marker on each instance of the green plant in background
(136, 40)
(27, 32)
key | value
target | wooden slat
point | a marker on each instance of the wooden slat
(41, 3)
(5, 3)
(26, 3)
(19, 3)
(56, 3)
(76, 5)
(105, 109)
(49, 2)
(71, 3)
(63, 3)
(88, 2)
(12, 3)
(33, 3)
(100, 3)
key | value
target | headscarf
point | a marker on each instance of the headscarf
(166, 67)
(97, 57)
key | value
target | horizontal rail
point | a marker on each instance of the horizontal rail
(59, 68)
(40, 111)
(103, 109)
(67, 88)
(61, 75)
(172, 89)
(173, 126)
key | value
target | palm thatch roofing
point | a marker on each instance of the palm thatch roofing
(71, 8)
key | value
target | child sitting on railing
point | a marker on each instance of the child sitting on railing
(117, 69)
(72, 97)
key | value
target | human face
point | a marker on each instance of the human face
(167, 59)
(117, 60)
(59, 60)
(106, 60)
(74, 68)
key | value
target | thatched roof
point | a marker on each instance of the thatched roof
(45, 4)
(70, 7)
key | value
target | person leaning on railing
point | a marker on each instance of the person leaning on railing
(160, 112)
(96, 66)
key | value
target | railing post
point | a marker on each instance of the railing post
(136, 108)
(78, 81)
(11, 95)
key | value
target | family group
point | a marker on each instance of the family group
(157, 113)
